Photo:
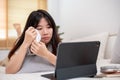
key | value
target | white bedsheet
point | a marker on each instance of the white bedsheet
(37, 76)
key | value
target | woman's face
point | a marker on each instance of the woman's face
(45, 30)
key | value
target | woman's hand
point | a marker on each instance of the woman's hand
(30, 35)
(39, 48)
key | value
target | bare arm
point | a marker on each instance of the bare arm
(51, 58)
(16, 60)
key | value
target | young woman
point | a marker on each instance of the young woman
(44, 52)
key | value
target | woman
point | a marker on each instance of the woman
(44, 58)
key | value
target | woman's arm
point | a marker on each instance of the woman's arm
(50, 57)
(16, 60)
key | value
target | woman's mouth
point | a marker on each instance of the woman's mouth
(45, 38)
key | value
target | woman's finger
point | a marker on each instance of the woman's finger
(33, 49)
(34, 33)
(36, 43)
(41, 43)
(33, 30)
(33, 45)
(30, 28)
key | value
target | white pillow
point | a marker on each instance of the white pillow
(2, 70)
(102, 37)
(115, 58)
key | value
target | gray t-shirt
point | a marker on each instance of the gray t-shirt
(34, 63)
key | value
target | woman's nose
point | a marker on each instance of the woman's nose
(45, 31)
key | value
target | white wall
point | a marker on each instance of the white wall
(53, 9)
(79, 18)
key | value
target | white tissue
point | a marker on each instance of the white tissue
(38, 37)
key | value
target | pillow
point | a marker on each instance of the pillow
(115, 58)
(4, 62)
(2, 71)
(102, 37)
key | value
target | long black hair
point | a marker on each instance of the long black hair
(33, 20)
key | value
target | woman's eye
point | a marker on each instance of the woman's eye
(39, 28)
(49, 26)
